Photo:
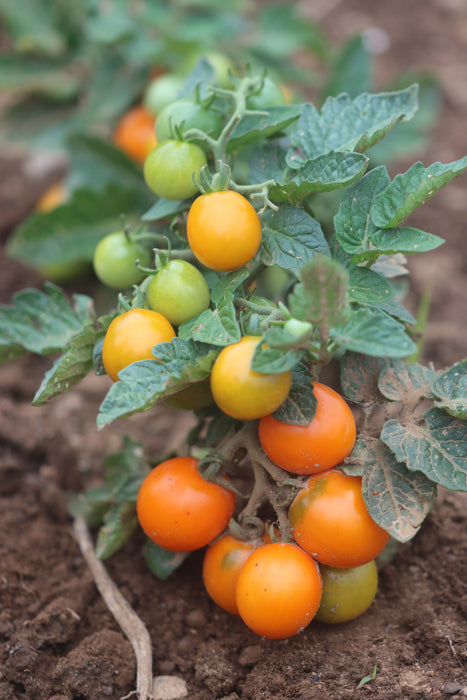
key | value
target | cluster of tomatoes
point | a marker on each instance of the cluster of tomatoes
(324, 569)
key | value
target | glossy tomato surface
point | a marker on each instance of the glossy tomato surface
(135, 133)
(241, 392)
(116, 260)
(278, 590)
(221, 566)
(170, 167)
(181, 511)
(131, 337)
(178, 291)
(224, 230)
(347, 593)
(307, 449)
(330, 521)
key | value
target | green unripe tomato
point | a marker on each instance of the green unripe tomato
(178, 291)
(193, 397)
(186, 114)
(271, 95)
(170, 167)
(220, 63)
(162, 91)
(115, 260)
(347, 593)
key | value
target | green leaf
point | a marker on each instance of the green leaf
(270, 360)
(290, 238)
(394, 308)
(411, 189)
(366, 286)
(400, 381)
(71, 231)
(372, 332)
(450, 390)
(261, 127)
(164, 208)
(299, 408)
(35, 26)
(320, 298)
(160, 561)
(268, 163)
(352, 70)
(438, 449)
(217, 326)
(41, 322)
(397, 499)
(359, 376)
(24, 75)
(228, 285)
(325, 173)
(348, 125)
(353, 224)
(405, 240)
(71, 367)
(142, 384)
(119, 525)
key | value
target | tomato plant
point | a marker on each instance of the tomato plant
(116, 260)
(278, 590)
(330, 521)
(306, 449)
(178, 291)
(224, 230)
(131, 336)
(222, 564)
(347, 593)
(170, 166)
(181, 511)
(135, 133)
(184, 114)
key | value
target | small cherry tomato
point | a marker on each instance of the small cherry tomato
(131, 337)
(224, 230)
(278, 590)
(241, 392)
(221, 566)
(181, 511)
(178, 291)
(161, 91)
(170, 167)
(330, 521)
(347, 593)
(307, 449)
(116, 260)
(270, 95)
(186, 114)
(135, 133)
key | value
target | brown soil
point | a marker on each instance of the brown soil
(57, 638)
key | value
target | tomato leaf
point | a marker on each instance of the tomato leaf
(450, 390)
(405, 240)
(395, 309)
(164, 208)
(320, 297)
(359, 376)
(299, 408)
(217, 326)
(411, 189)
(373, 332)
(400, 381)
(160, 561)
(352, 69)
(396, 498)
(367, 286)
(290, 238)
(267, 360)
(42, 322)
(260, 127)
(142, 384)
(348, 125)
(75, 363)
(120, 523)
(438, 449)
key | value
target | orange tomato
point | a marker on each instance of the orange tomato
(53, 196)
(330, 521)
(278, 590)
(221, 566)
(320, 445)
(181, 511)
(135, 133)
(131, 337)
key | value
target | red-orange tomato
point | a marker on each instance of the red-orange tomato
(330, 521)
(223, 230)
(278, 590)
(181, 511)
(135, 133)
(320, 445)
(131, 337)
(221, 566)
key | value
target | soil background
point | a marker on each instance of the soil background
(57, 638)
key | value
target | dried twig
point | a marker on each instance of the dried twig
(131, 625)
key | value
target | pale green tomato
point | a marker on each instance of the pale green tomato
(178, 291)
(115, 260)
(162, 91)
(347, 593)
(270, 95)
(170, 167)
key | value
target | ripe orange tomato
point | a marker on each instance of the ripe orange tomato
(241, 392)
(131, 337)
(224, 230)
(278, 590)
(221, 566)
(135, 133)
(181, 511)
(330, 521)
(320, 445)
